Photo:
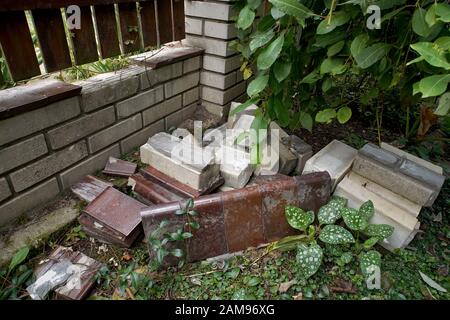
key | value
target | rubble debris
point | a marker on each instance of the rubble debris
(405, 177)
(113, 217)
(300, 149)
(214, 138)
(208, 120)
(336, 158)
(195, 169)
(234, 220)
(250, 110)
(121, 168)
(89, 188)
(79, 268)
(235, 166)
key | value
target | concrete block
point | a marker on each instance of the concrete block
(139, 138)
(192, 64)
(232, 118)
(413, 158)
(220, 64)
(139, 102)
(114, 133)
(235, 166)
(80, 128)
(5, 192)
(151, 77)
(211, 46)
(220, 30)
(19, 205)
(220, 97)
(215, 137)
(386, 212)
(216, 109)
(174, 119)
(301, 149)
(48, 166)
(288, 160)
(210, 10)
(181, 84)
(273, 126)
(89, 166)
(27, 123)
(108, 88)
(217, 80)
(162, 151)
(22, 152)
(161, 110)
(336, 158)
(191, 96)
(193, 26)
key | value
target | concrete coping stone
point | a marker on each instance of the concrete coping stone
(168, 54)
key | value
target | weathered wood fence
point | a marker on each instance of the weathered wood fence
(105, 24)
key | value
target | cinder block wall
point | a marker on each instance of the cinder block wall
(46, 150)
(210, 25)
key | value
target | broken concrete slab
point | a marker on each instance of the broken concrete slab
(300, 149)
(113, 217)
(336, 158)
(386, 212)
(400, 175)
(413, 158)
(89, 188)
(208, 120)
(195, 168)
(288, 160)
(118, 167)
(235, 166)
(242, 126)
(275, 126)
(232, 118)
(214, 138)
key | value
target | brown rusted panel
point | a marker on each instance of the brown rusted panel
(14, 5)
(118, 167)
(129, 26)
(148, 18)
(314, 190)
(34, 95)
(169, 56)
(90, 188)
(210, 239)
(85, 47)
(52, 39)
(243, 218)
(164, 9)
(115, 214)
(17, 45)
(152, 191)
(107, 30)
(178, 19)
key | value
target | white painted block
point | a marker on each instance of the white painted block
(235, 166)
(248, 111)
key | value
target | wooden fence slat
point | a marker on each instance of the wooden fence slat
(178, 17)
(17, 45)
(107, 30)
(148, 20)
(20, 5)
(83, 39)
(52, 39)
(165, 21)
(129, 26)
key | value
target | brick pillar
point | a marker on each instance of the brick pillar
(209, 26)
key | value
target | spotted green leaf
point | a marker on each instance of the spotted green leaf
(368, 260)
(330, 212)
(299, 218)
(333, 234)
(354, 219)
(381, 231)
(367, 209)
(369, 243)
(309, 259)
(345, 258)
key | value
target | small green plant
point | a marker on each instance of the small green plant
(20, 275)
(75, 234)
(161, 239)
(326, 233)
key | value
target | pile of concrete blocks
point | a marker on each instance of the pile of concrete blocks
(399, 185)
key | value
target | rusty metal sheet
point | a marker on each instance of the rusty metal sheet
(89, 188)
(152, 191)
(118, 167)
(113, 213)
(86, 267)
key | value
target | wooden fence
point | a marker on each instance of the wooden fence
(153, 21)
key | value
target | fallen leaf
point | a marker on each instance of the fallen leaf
(427, 120)
(284, 287)
(126, 256)
(432, 283)
(342, 286)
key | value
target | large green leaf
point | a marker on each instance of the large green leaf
(433, 86)
(330, 213)
(329, 24)
(298, 218)
(281, 70)
(370, 55)
(367, 209)
(354, 219)
(381, 231)
(419, 24)
(333, 234)
(443, 11)
(271, 53)
(254, 4)
(309, 259)
(344, 114)
(281, 110)
(332, 65)
(18, 258)
(311, 78)
(246, 18)
(443, 43)
(257, 85)
(335, 48)
(444, 105)
(306, 121)
(293, 8)
(325, 116)
(432, 54)
(359, 44)
(369, 260)
(261, 39)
